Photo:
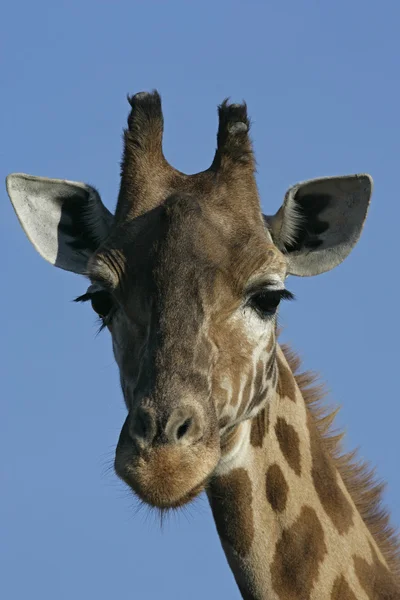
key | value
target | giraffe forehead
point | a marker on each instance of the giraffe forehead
(232, 261)
(169, 239)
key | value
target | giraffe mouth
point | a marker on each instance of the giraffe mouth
(168, 478)
(178, 502)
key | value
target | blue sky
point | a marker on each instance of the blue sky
(322, 87)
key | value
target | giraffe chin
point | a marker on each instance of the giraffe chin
(169, 477)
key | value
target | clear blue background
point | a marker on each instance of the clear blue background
(322, 85)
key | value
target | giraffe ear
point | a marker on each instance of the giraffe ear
(65, 221)
(320, 222)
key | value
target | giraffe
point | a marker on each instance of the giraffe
(187, 276)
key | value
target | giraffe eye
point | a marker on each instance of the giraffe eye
(266, 302)
(102, 303)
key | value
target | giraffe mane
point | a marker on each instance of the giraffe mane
(358, 476)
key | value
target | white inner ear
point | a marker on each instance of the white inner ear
(38, 213)
(64, 220)
(345, 214)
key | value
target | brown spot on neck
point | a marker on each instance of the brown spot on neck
(341, 590)
(286, 382)
(297, 558)
(376, 580)
(276, 488)
(289, 444)
(231, 503)
(267, 411)
(270, 367)
(260, 390)
(258, 427)
(271, 342)
(325, 478)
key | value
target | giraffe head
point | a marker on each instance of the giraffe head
(187, 276)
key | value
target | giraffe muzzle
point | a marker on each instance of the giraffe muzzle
(167, 465)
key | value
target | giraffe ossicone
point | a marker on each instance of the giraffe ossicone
(187, 275)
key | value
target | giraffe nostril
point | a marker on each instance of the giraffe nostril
(184, 428)
(142, 425)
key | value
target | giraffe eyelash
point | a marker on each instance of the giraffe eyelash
(104, 319)
(284, 294)
(84, 298)
(281, 294)
(265, 301)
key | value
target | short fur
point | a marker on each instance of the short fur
(358, 477)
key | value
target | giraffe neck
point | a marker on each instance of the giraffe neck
(287, 523)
